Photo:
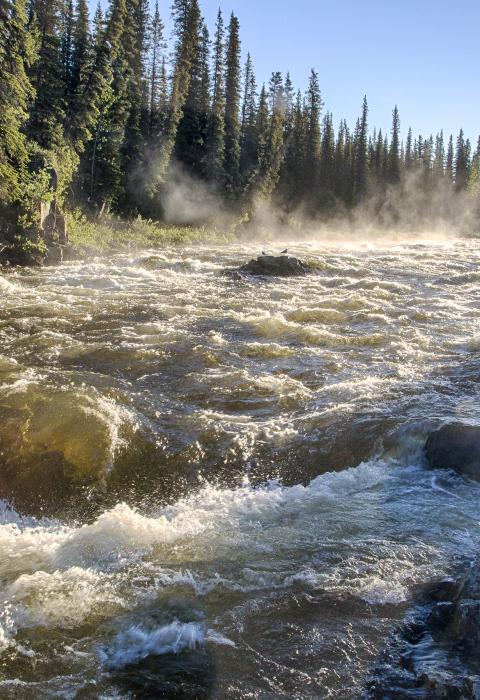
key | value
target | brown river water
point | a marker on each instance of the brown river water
(214, 487)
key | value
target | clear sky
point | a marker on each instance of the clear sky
(423, 55)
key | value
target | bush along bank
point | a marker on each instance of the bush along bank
(111, 234)
(73, 236)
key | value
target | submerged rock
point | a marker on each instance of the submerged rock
(57, 253)
(275, 266)
(455, 446)
(436, 653)
(55, 442)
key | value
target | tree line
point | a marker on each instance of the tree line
(113, 109)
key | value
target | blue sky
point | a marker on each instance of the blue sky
(423, 55)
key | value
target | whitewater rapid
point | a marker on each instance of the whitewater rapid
(258, 517)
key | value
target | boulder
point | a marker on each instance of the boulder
(275, 266)
(435, 654)
(455, 446)
(57, 253)
(54, 254)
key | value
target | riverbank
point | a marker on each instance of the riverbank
(112, 234)
(87, 238)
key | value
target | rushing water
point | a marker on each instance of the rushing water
(213, 486)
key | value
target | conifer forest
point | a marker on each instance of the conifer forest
(116, 109)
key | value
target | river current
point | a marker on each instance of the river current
(214, 487)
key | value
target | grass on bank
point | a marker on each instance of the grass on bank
(112, 234)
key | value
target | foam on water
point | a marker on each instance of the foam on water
(59, 574)
(66, 577)
(136, 643)
(123, 531)
(192, 370)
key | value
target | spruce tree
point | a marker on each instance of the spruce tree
(67, 30)
(262, 124)
(249, 134)
(232, 109)
(349, 159)
(289, 95)
(135, 101)
(338, 177)
(47, 113)
(180, 15)
(246, 87)
(327, 164)
(163, 94)
(449, 161)
(419, 151)
(81, 45)
(378, 158)
(17, 54)
(216, 129)
(293, 181)
(156, 71)
(372, 139)
(108, 93)
(190, 148)
(187, 20)
(462, 162)
(394, 155)
(270, 145)
(276, 92)
(474, 177)
(427, 166)
(361, 153)
(98, 27)
(77, 125)
(312, 143)
(439, 158)
(409, 150)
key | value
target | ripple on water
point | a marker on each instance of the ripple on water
(159, 367)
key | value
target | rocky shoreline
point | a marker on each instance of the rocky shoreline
(436, 652)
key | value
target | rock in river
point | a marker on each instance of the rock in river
(455, 446)
(435, 654)
(275, 266)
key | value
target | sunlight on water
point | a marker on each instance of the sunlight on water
(215, 487)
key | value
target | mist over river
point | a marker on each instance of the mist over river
(214, 487)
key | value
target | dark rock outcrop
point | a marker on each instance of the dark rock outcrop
(53, 223)
(437, 652)
(24, 253)
(57, 253)
(275, 266)
(455, 446)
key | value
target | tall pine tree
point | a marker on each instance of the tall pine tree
(312, 142)
(47, 114)
(361, 153)
(190, 148)
(156, 68)
(249, 134)
(17, 53)
(462, 162)
(394, 155)
(216, 129)
(232, 109)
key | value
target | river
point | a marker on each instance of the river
(214, 487)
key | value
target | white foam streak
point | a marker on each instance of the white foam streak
(137, 643)
(122, 536)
